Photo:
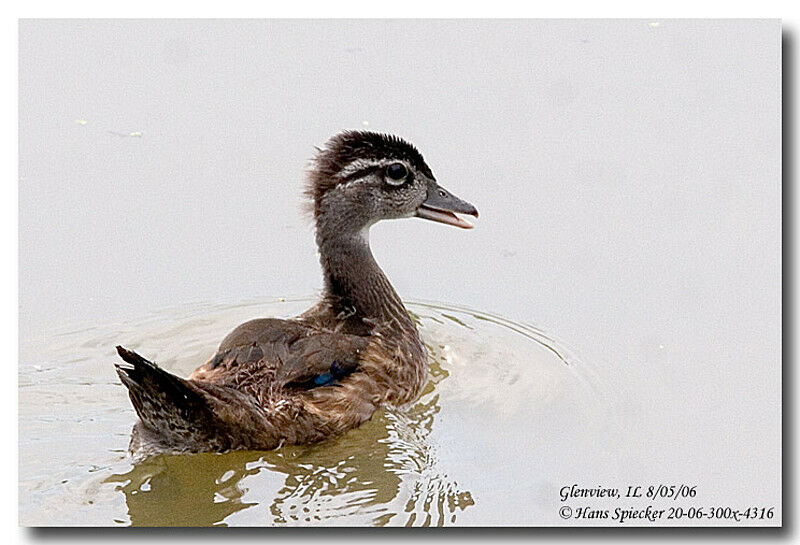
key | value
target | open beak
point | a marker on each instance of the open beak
(442, 206)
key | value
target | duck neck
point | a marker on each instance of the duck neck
(354, 283)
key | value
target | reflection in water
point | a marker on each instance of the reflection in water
(184, 490)
(503, 400)
(384, 471)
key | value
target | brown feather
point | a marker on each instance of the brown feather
(274, 382)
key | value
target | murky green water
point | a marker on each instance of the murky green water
(506, 412)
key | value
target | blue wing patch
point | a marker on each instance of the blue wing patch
(324, 380)
(337, 372)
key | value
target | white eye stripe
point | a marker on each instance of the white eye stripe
(361, 164)
(355, 166)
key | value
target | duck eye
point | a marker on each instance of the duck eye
(396, 172)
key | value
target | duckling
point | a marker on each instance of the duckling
(301, 380)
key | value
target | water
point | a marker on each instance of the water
(497, 388)
(628, 177)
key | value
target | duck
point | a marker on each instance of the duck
(275, 382)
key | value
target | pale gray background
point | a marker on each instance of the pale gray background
(628, 178)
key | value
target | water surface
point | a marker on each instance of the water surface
(505, 410)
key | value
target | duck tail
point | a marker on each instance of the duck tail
(167, 405)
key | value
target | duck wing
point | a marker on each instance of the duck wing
(285, 353)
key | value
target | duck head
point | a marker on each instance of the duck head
(359, 178)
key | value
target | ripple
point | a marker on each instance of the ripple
(503, 400)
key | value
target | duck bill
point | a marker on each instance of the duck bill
(442, 206)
